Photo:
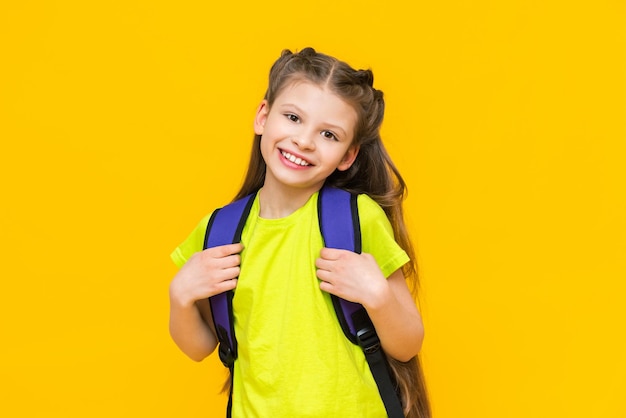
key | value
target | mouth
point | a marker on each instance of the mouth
(296, 160)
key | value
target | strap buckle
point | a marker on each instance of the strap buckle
(225, 350)
(226, 355)
(368, 340)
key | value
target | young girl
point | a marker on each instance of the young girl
(317, 125)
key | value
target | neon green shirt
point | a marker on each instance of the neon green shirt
(293, 358)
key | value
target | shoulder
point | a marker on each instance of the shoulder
(195, 240)
(192, 244)
(378, 237)
(371, 213)
(368, 205)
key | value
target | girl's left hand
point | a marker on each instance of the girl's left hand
(351, 276)
(389, 303)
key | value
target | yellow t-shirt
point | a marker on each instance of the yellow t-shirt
(293, 358)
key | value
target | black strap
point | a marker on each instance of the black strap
(370, 344)
(229, 407)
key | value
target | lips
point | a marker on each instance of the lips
(296, 160)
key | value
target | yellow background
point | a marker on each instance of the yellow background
(123, 122)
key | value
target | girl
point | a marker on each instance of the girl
(317, 125)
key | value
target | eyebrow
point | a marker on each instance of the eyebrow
(329, 124)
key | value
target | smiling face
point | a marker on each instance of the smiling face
(305, 136)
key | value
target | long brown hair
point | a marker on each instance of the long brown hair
(372, 173)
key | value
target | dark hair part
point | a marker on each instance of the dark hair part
(372, 173)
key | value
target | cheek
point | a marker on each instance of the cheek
(268, 145)
(264, 145)
(271, 130)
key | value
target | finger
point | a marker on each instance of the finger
(228, 273)
(323, 264)
(326, 287)
(330, 253)
(229, 261)
(323, 275)
(225, 286)
(209, 262)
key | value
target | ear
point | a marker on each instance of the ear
(261, 116)
(348, 158)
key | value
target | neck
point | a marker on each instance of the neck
(281, 202)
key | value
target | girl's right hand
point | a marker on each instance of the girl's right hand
(207, 273)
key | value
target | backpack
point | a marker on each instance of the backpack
(339, 224)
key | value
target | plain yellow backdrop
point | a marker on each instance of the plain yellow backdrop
(123, 122)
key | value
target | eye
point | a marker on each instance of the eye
(329, 135)
(292, 117)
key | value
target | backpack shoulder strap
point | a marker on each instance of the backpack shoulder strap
(225, 227)
(338, 216)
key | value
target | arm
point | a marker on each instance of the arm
(397, 319)
(357, 278)
(207, 273)
(190, 331)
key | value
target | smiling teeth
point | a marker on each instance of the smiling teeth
(294, 159)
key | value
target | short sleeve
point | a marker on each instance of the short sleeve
(377, 236)
(192, 244)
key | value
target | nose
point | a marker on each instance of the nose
(304, 141)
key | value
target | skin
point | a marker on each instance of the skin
(310, 123)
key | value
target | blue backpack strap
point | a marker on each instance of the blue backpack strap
(225, 227)
(339, 223)
(338, 216)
